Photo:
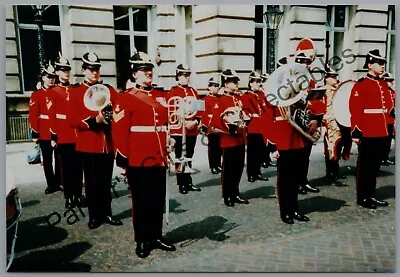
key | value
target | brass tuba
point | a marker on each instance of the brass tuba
(98, 98)
(287, 89)
(176, 121)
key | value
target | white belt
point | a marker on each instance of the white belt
(254, 115)
(279, 118)
(149, 128)
(44, 116)
(375, 110)
(61, 116)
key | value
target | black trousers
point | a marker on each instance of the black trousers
(98, 168)
(232, 169)
(370, 155)
(214, 150)
(255, 151)
(388, 141)
(289, 176)
(305, 163)
(183, 179)
(71, 170)
(49, 172)
(148, 189)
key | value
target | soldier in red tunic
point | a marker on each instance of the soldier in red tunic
(214, 148)
(228, 119)
(253, 107)
(192, 121)
(389, 118)
(64, 138)
(140, 134)
(369, 105)
(317, 112)
(94, 140)
(39, 119)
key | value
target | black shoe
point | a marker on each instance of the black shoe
(112, 221)
(251, 179)
(300, 217)
(302, 190)
(288, 219)
(214, 170)
(261, 178)
(229, 202)
(50, 190)
(380, 202)
(81, 201)
(367, 203)
(219, 168)
(142, 249)
(309, 188)
(192, 187)
(264, 165)
(387, 162)
(332, 176)
(240, 200)
(160, 244)
(183, 190)
(94, 224)
(69, 203)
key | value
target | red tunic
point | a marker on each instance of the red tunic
(140, 128)
(187, 93)
(252, 106)
(39, 113)
(91, 136)
(60, 129)
(211, 102)
(390, 119)
(369, 105)
(228, 140)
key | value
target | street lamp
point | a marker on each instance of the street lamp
(38, 16)
(327, 33)
(273, 17)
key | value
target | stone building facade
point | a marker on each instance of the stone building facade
(208, 38)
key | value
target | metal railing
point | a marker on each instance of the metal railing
(18, 128)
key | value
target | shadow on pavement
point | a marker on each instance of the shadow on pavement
(35, 233)
(385, 192)
(30, 203)
(53, 260)
(173, 207)
(210, 183)
(320, 204)
(261, 192)
(213, 228)
(120, 193)
(324, 181)
(381, 173)
(125, 214)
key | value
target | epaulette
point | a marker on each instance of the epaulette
(173, 87)
(361, 79)
(75, 85)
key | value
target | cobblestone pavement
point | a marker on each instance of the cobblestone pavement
(209, 236)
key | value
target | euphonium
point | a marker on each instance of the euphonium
(98, 98)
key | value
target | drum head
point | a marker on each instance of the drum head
(340, 103)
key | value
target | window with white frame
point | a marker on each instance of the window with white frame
(261, 53)
(184, 34)
(391, 41)
(338, 22)
(131, 34)
(27, 34)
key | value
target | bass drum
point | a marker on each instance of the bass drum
(340, 102)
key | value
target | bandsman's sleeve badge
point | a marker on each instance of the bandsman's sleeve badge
(117, 114)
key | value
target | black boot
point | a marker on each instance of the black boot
(192, 187)
(161, 244)
(309, 188)
(143, 249)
